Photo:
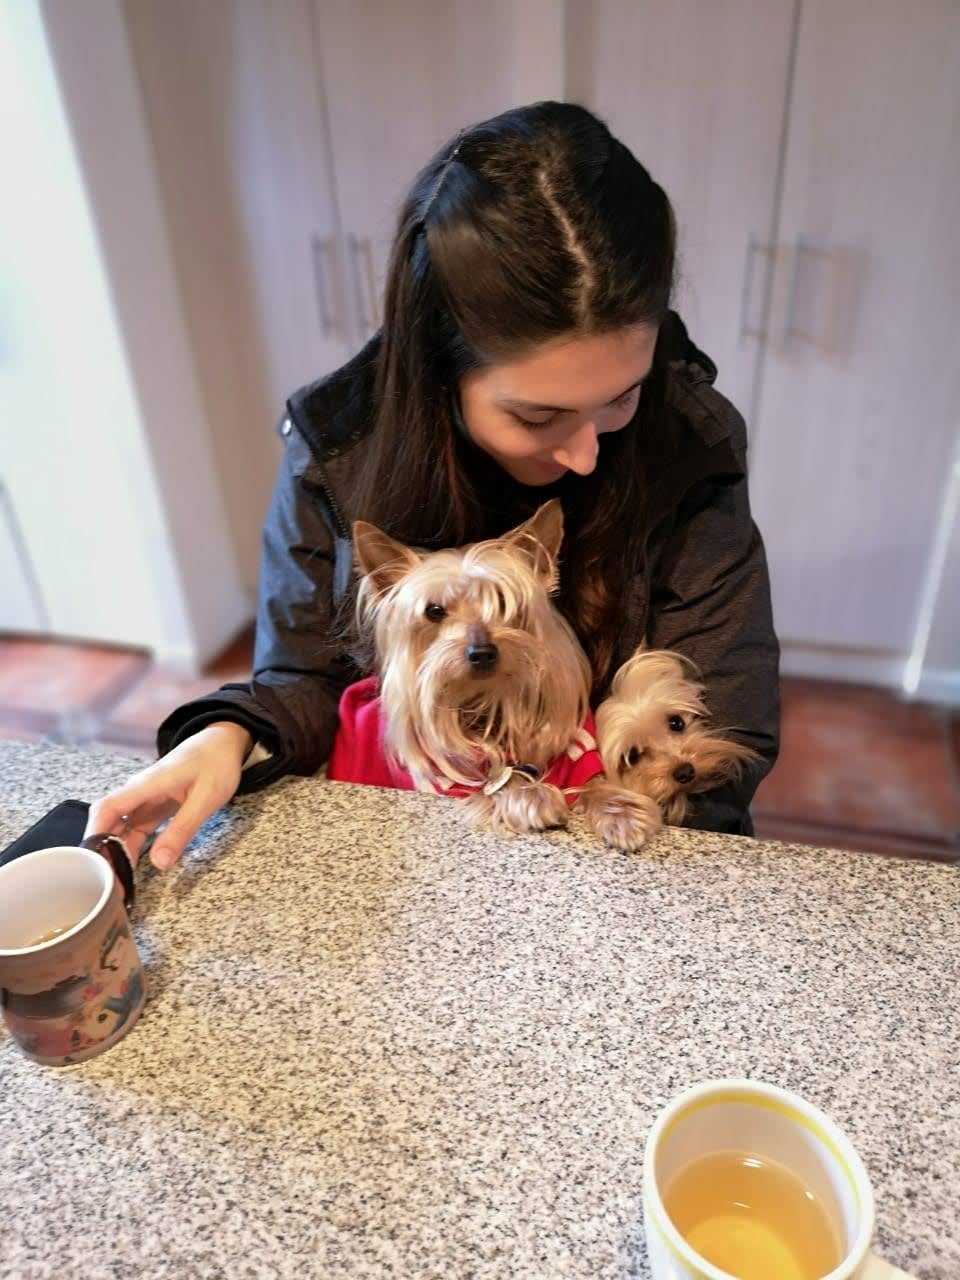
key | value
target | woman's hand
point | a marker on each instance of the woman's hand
(187, 785)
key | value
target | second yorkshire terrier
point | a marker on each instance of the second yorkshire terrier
(482, 688)
(653, 736)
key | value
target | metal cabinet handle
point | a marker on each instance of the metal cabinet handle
(365, 283)
(372, 281)
(754, 247)
(801, 248)
(320, 248)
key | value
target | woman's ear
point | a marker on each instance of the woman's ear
(538, 540)
(382, 559)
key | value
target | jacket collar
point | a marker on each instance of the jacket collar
(335, 412)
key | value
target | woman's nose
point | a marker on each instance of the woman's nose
(579, 452)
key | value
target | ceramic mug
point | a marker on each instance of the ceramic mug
(71, 984)
(744, 1115)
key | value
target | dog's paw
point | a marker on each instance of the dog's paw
(622, 819)
(519, 807)
(534, 806)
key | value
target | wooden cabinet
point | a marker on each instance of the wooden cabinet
(398, 81)
(697, 92)
(288, 132)
(809, 147)
(21, 608)
(236, 113)
(811, 152)
(858, 408)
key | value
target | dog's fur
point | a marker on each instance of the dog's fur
(653, 735)
(450, 722)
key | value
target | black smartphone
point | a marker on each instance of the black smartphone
(64, 824)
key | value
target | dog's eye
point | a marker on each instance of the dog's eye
(633, 757)
(435, 612)
(676, 724)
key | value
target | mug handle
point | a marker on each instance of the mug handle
(115, 852)
(876, 1269)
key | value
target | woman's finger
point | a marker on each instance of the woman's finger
(108, 814)
(178, 833)
(147, 817)
(134, 842)
(143, 822)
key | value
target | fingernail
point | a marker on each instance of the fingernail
(163, 858)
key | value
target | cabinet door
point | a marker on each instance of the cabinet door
(858, 411)
(21, 608)
(697, 91)
(399, 79)
(235, 107)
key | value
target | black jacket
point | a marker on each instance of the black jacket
(702, 588)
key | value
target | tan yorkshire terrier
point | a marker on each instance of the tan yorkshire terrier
(653, 735)
(483, 688)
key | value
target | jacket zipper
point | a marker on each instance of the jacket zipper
(340, 525)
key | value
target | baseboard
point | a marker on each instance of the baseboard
(851, 666)
(939, 686)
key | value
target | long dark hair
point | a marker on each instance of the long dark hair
(534, 225)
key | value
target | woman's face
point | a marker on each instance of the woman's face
(542, 416)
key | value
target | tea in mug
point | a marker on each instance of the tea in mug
(752, 1218)
(50, 934)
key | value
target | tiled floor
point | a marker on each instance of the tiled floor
(859, 768)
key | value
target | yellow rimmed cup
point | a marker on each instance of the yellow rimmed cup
(745, 1115)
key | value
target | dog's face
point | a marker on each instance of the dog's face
(653, 736)
(475, 663)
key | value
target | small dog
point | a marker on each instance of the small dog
(653, 736)
(483, 687)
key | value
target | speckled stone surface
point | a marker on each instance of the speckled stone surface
(378, 1045)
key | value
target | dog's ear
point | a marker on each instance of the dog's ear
(539, 539)
(382, 559)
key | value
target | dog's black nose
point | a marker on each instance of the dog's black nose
(482, 657)
(684, 773)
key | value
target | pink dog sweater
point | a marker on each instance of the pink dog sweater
(358, 753)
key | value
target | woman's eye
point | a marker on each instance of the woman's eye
(624, 401)
(676, 724)
(535, 426)
(435, 612)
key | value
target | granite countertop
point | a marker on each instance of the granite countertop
(378, 1045)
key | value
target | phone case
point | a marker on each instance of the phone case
(63, 825)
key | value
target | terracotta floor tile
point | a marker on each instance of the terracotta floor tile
(135, 717)
(953, 737)
(772, 827)
(860, 759)
(40, 675)
(238, 655)
(153, 698)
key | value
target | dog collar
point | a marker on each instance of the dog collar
(494, 785)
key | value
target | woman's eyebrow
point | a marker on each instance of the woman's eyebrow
(530, 407)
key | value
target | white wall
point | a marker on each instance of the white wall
(199, 72)
(103, 440)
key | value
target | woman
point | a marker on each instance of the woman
(527, 350)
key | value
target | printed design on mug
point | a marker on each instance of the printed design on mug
(118, 931)
(81, 1011)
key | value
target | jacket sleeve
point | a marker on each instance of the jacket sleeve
(300, 668)
(710, 600)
